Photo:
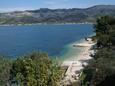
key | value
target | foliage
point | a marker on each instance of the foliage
(46, 15)
(101, 69)
(5, 66)
(35, 69)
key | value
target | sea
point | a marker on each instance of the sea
(56, 40)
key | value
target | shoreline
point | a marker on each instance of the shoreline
(86, 52)
(43, 24)
(76, 65)
(73, 52)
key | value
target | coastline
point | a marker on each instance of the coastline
(71, 53)
(44, 24)
(83, 54)
(76, 65)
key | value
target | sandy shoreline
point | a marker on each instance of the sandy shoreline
(76, 64)
(84, 55)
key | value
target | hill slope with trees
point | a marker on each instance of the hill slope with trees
(45, 15)
(101, 70)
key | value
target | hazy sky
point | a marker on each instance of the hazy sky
(11, 5)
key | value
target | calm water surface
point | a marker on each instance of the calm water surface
(18, 40)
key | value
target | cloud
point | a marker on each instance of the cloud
(14, 9)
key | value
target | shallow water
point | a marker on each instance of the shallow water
(54, 39)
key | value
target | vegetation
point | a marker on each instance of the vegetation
(101, 70)
(35, 69)
(46, 15)
(5, 66)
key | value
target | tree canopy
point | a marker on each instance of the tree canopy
(35, 69)
(101, 69)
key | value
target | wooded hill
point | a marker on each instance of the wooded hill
(45, 15)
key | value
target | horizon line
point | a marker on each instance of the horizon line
(30, 9)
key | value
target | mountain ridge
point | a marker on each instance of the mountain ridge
(45, 15)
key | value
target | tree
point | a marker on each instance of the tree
(36, 69)
(101, 69)
(5, 66)
(103, 29)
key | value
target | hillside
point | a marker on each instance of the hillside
(45, 15)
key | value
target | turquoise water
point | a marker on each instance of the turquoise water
(54, 39)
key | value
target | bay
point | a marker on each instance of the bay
(54, 39)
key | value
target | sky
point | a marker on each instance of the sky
(13, 5)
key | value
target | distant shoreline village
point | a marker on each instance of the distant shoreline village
(44, 24)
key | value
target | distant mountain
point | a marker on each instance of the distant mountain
(46, 15)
